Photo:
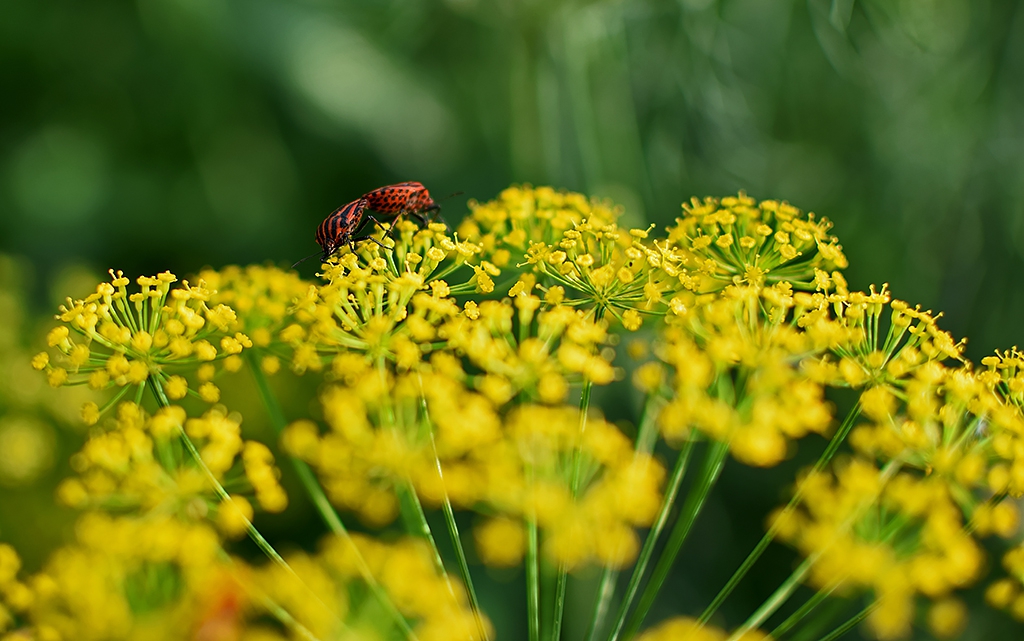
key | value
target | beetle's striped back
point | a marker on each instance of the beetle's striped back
(396, 199)
(338, 227)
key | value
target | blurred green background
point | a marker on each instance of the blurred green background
(173, 134)
(177, 134)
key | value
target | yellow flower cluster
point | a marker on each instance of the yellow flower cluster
(165, 579)
(387, 433)
(736, 377)
(506, 227)
(453, 363)
(264, 299)
(601, 266)
(435, 605)
(998, 427)
(378, 313)
(866, 357)
(387, 307)
(116, 339)
(733, 240)
(576, 253)
(897, 534)
(124, 579)
(935, 460)
(527, 347)
(930, 424)
(137, 464)
(15, 596)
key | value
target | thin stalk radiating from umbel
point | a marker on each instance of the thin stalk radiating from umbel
(562, 577)
(714, 461)
(320, 501)
(762, 545)
(153, 383)
(645, 438)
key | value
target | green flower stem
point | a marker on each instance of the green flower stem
(306, 476)
(460, 554)
(801, 612)
(561, 579)
(775, 601)
(453, 528)
(272, 606)
(814, 626)
(319, 498)
(413, 516)
(762, 545)
(253, 533)
(714, 461)
(415, 520)
(788, 586)
(838, 438)
(849, 624)
(605, 591)
(646, 436)
(532, 581)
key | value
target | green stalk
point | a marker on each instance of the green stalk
(813, 628)
(775, 601)
(780, 595)
(221, 493)
(319, 498)
(647, 551)
(453, 528)
(769, 536)
(532, 582)
(605, 591)
(306, 475)
(460, 554)
(415, 520)
(850, 624)
(646, 436)
(698, 494)
(801, 612)
(561, 579)
(411, 508)
(250, 529)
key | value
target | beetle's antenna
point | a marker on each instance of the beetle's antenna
(302, 260)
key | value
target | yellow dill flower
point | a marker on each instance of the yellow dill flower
(744, 336)
(126, 579)
(549, 350)
(932, 420)
(267, 302)
(505, 227)
(602, 267)
(947, 618)
(734, 240)
(135, 464)
(867, 357)
(234, 516)
(501, 542)
(897, 535)
(387, 432)
(114, 338)
(327, 594)
(386, 306)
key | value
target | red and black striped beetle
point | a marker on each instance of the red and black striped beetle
(343, 225)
